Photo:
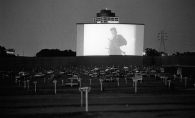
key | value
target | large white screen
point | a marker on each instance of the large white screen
(97, 39)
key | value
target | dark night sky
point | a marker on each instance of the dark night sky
(32, 25)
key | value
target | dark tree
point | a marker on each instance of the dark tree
(3, 52)
(55, 53)
(151, 52)
(184, 54)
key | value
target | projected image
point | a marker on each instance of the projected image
(109, 39)
(116, 42)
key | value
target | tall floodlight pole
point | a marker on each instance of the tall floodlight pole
(162, 36)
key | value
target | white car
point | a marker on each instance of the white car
(22, 73)
(40, 74)
(50, 72)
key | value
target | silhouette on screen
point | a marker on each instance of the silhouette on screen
(115, 42)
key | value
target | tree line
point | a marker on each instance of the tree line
(3, 52)
(55, 53)
(64, 53)
(42, 53)
(154, 52)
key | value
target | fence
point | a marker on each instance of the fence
(46, 62)
(31, 62)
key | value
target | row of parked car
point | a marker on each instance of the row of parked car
(107, 74)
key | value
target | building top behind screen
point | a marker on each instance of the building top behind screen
(106, 16)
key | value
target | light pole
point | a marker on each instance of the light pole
(101, 81)
(55, 81)
(35, 82)
(86, 89)
(28, 83)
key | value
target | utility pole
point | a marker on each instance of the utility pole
(162, 36)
